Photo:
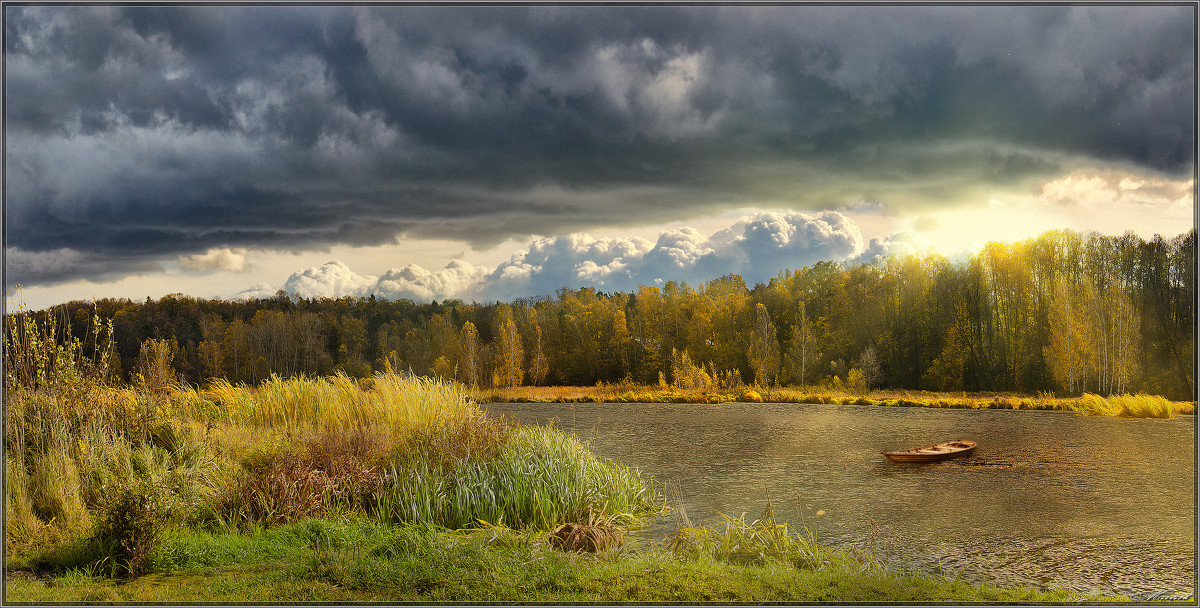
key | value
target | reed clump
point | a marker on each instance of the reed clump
(539, 478)
(407, 449)
(70, 438)
(340, 402)
(1131, 406)
(762, 541)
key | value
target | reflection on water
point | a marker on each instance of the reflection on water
(1049, 499)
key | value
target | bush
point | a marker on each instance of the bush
(131, 527)
(856, 382)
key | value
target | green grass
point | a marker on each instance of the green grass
(540, 478)
(356, 559)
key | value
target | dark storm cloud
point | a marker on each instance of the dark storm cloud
(143, 133)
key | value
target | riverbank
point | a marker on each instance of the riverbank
(357, 560)
(326, 490)
(1139, 406)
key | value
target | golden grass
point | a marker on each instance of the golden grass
(1142, 406)
(340, 402)
(1132, 406)
(598, 534)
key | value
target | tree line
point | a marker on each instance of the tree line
(1065, 312)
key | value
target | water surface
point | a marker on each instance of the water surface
(1049, 499)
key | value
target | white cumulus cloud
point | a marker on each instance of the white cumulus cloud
(332, 280)
(458, 279)
(756, 246)
(258, 291)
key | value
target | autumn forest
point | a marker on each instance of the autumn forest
(1064, 312)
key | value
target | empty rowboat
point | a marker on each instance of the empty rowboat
(932, 453)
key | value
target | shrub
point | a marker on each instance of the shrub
(130, 528)
(856, 382)
(289, 484)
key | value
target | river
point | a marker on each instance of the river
(1048, 499)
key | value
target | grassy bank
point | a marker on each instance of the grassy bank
(97, 475)
(1141, 406)
(101, 466)
(394, 490)
(361, 560)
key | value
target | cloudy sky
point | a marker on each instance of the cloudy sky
(493, 152)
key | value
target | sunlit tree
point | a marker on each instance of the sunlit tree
(764, 348)
(469, 344)
(509, 352)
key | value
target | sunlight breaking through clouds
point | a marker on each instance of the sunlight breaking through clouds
(195, 147)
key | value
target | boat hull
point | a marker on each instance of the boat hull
(933, 453)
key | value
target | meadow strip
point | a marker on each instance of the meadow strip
(360, 560)
(1137, 406)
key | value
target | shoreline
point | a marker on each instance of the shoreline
(1141, 406)
(363, 561)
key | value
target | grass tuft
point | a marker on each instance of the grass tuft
(1131, 406)
(598, 534)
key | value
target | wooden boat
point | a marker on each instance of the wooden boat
(932, 453)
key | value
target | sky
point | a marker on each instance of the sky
(493, 152)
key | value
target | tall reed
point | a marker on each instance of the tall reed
(1130, 406)
(761, 541)
(541, 478)
(340, 402)
(427, 454)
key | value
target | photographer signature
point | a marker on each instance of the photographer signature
(1167, 595)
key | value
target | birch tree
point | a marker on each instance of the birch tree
(538, 366)
(764, 348)
(800, 350)
(509, 352)
(469, 341)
